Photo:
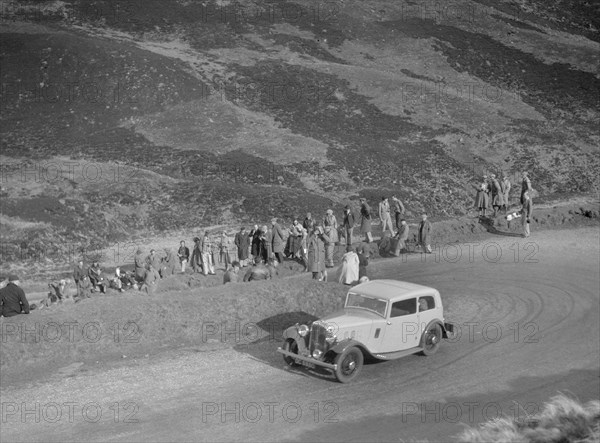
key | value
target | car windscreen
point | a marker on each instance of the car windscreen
(368, 303)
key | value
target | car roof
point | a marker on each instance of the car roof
(392, 289)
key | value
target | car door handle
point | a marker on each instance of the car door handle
(388, 322)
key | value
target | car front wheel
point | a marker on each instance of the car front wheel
(432, 339)
(290, 346)
(349, 363)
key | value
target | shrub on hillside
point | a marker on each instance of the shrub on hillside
(561, 420)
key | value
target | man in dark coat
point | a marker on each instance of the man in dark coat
(365, 220)
(12, 299)
(526, 213)
(497, 195)
(398, 211)
(256, 243)
(308, 223)
(425, 233)
(140, 265)
(278, 239)
(184, 255)
(196, 260)
(242, 241)
(348, 227)
(79, 275)
(316, 253)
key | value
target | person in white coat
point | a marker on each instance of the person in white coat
(349, 270)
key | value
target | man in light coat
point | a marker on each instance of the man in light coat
(385, 217)
(526, 213)
(278, 239)
(425, 233)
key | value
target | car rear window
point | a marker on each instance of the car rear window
(404, 307)
(425, 303)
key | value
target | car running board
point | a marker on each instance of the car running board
(397, 354)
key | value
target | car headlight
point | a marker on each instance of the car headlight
(302, 330)
(331, 339)
(317, 353)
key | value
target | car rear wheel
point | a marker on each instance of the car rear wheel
(349, 363)
(432, 339)
(290, 346)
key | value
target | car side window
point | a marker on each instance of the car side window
(404, 307)
(426, 303)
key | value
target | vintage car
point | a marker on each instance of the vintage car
(381, 319)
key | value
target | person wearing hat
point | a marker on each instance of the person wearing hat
(12, 299)
(316, 253)
(139, 263)
(384, 216)
(365, 220)
(184, 255)
(505, 184)
(242, 242)
(330, 227)
(278, 239)
(348, 227)
(525, 186)
(497, 195)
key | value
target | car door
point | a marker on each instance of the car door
(428, 311)
(402, 329)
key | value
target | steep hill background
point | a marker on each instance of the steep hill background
(128, 118)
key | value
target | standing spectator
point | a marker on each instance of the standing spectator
(365, 220)
(277, 240)
(363, 262)
(349, 270)
(425, 233)
(256, 242)
(294, 240)
(242, 242)
(525, 186)
(308, 222)
(481, 198)
(385, 217)
(348, 227)
(330, 229)
(265, 244)
(12, 298)
(197, 261)
(206, 250)
(505, 191)
(167, 265)
(140, 265)
(497, 195)
(526, 212)
(224, 250)
(184, 255)
(78, 276)
(398, 210)
(154, 260)
(402, 237)
(316, 252)
(232, 275)
(304, 248)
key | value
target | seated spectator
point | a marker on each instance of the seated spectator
(154, 260)
(57, 290)
(96, 279)
(272, 267)
(12, 298)
(115, 282)
(232, 275)
(258, 272)
(3, 281)
(140, 265)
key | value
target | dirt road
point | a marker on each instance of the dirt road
(528, 316)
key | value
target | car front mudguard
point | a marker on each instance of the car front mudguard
(291, 333)
(340, 347)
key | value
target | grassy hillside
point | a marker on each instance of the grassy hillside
(134, 118)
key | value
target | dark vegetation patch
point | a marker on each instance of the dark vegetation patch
(572, 16)
(517, 23)
(546, 87)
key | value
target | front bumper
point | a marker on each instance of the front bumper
(313, 362)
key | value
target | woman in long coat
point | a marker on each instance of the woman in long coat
(330, 227)
(316, 252)
(365, 220)
(481, 198)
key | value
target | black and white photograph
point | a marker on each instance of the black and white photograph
(300, 221)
